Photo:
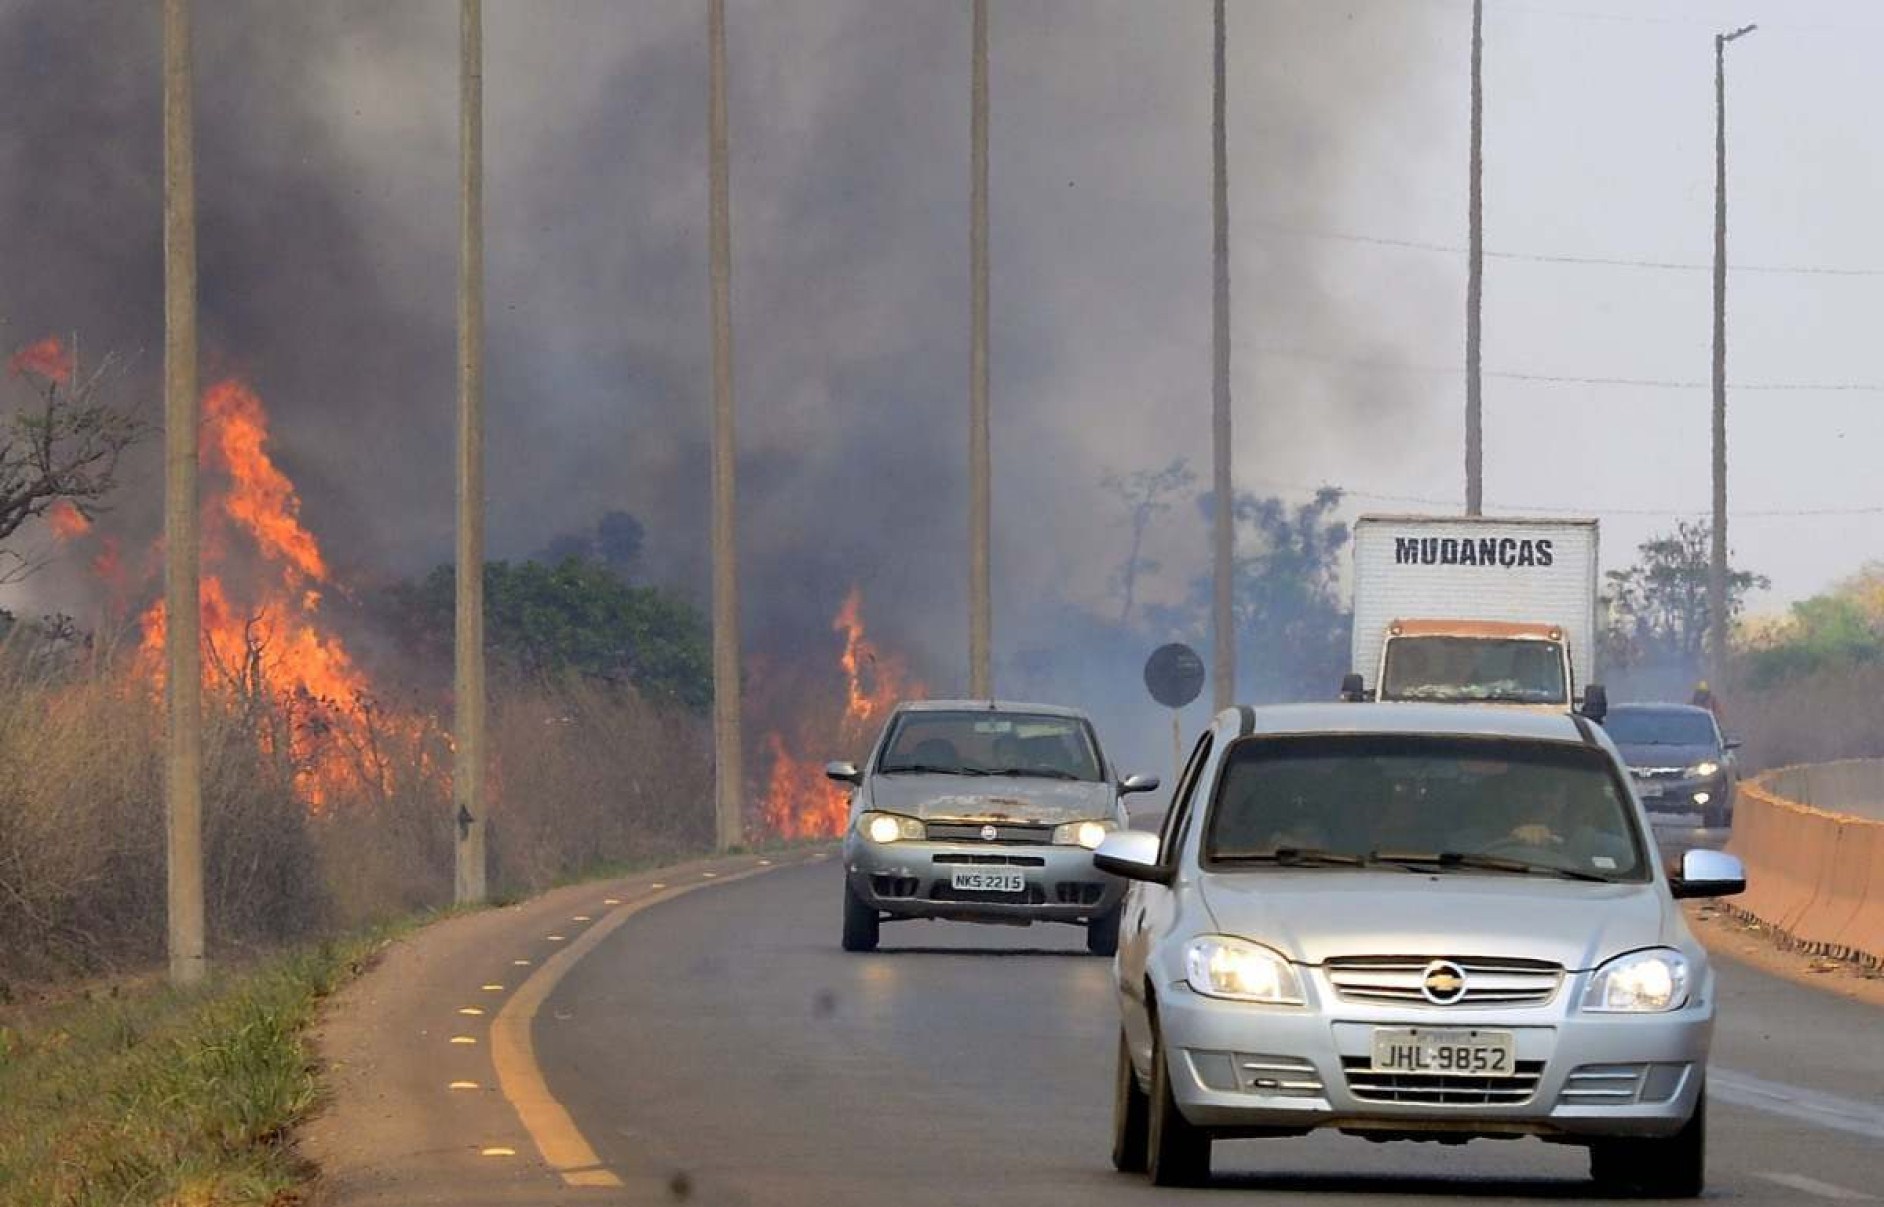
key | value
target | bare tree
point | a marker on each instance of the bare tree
(1147, 494)
(62, 444)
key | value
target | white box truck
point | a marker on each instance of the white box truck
(1476, 610)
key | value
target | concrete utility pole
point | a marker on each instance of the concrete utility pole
(729, 769)
(468, 763)
(1475, 278)
(980, 491)
(183, 673)
(1223, 641)
(1719, 623)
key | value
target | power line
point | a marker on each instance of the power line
(1654, 383)
(1451, 249)
(1455, 503)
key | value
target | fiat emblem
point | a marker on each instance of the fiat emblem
(989, 833)
(1444, 983)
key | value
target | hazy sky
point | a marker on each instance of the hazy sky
(327, 147)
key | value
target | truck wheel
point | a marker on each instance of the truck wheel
(1177, 1151)
(1131, 1116)
(860, 922)
(1669, 1167)
(1102, 933)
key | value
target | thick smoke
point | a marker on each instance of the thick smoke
(327, 148)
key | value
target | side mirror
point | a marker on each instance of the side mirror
(1138, 783)
(1707, 874)
(1595, 702)
(1731, 744)
(1132, 854)
(1353, 690)
(843, 773)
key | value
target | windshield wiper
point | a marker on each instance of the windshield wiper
(1483, 863)
(1045, 773)
(1293, 857)
(928, 769)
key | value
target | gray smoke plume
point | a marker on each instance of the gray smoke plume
(327, 173)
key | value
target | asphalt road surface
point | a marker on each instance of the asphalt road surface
(721, 1049)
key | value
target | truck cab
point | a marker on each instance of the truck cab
(1478, 662)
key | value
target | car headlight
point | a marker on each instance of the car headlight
(889, 827)
(1643, 982)
(1088, 834)
(1220, 966)
(1702, 769)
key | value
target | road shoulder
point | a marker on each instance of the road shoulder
(1729, 933)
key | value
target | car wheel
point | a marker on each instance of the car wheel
(1668, 1167)
(1102, 933)
(860, 922)
(1131, 1116)
(1177, 1150)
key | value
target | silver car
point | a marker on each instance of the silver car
(982, 811)
(1411, 922)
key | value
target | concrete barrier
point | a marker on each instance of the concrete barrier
(1814, 850)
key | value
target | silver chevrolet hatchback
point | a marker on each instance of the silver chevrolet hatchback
(1411, 922)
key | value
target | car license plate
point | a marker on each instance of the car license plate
(1454, 1051)
(988, 880)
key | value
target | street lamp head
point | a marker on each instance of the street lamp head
(1742, 32)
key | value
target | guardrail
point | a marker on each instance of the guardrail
(1815, 861)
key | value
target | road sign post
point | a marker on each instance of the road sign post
(1174, 674)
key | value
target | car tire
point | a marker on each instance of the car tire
(1131, 1116)
(861, 923)
(1102, 933)
(1667, 1167)
(1177, 1151)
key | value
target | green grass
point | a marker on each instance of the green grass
(164, 1096)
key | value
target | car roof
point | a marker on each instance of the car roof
(1656, 706)
(994, 706)
(1439, 720)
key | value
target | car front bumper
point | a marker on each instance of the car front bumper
(1240, 1068)
(914, 879)
(1677, 794)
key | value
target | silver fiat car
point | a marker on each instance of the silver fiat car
(982, 811)
(1411, 922)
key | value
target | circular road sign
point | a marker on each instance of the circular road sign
(1175, 674)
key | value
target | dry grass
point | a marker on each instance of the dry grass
(583, 777)
(1829, 715)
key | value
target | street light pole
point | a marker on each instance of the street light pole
(980, 468)
(1223, 534)
(1475, 277)
(729, 767)
(1718, 620)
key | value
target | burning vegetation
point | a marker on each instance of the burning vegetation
(799, 802)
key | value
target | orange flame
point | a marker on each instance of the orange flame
(799, 801)
(269, 638)
(67, 521)
(47, 358)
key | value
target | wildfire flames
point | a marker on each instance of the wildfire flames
(263, 635)
(799, 801)
(48, 359)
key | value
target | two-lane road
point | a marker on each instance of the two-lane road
(722, 1048)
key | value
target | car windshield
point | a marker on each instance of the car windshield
(991, 743)
(1448, 803)
(1660, 727)
(1512, 670)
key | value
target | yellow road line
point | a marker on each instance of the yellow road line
(514, 1053)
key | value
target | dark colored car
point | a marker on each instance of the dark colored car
(1678, 758)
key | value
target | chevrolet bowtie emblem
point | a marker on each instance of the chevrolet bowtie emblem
(1444, 983)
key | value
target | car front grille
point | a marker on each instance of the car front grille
(1004, 831)
(1622, 1085)
(1488, 981)
(1441, 1089)
(1658, 773)
(1011, 861)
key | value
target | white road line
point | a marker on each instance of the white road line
(1812, 1186)
(1796, 1102)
